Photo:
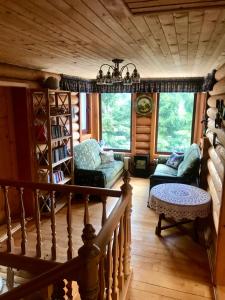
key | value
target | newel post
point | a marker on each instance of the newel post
(89, 254)
(126, 189)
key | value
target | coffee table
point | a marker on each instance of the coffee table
(180, 202)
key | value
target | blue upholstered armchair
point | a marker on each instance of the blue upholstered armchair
(187, 171)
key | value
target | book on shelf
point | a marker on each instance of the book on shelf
(59, 153)
(57, 131)
(58, 176)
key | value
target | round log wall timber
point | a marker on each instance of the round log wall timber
(212, 100)
(215, 202)
(211, 113)
(219, 131)
(215, 178)
(218, 88)
(217, 162)
(220, 74)
(15, 72)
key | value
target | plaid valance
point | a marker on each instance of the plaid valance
(188, 84)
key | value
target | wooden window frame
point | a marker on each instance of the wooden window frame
(87, 130)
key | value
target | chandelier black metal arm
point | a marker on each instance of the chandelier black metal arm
(116, 75)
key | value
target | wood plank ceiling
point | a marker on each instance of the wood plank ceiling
(75, 37)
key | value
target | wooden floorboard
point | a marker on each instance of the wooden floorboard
(170, 267)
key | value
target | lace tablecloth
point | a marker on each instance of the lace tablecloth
(180, 201)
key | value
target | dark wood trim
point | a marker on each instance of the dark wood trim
(30, 264)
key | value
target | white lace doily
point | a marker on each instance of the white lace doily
(180, 201)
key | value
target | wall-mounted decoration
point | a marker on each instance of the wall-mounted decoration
(144, 105)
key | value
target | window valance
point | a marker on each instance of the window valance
(189, 84)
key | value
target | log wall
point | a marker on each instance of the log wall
(142, 131)
(216, 182)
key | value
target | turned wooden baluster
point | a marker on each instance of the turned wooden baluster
(69, 291)
(115, 290)
(102, 260)
(23, 223)
(89, 255)
(121, 252)
(86, 211)
(8, 219)
(58, 290)
(103, 198)
(53, 225)
(38, 223)
(69, 228)
(109, 278)
(126, 189)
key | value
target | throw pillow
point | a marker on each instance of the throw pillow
(174, 160)
(107, 156)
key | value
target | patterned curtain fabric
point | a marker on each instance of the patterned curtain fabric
(209, 81)
(191, 84)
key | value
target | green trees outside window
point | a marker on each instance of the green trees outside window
(175, 118)
(116, 120)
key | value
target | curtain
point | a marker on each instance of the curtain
(191, 84)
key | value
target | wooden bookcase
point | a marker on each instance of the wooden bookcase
(52, 136)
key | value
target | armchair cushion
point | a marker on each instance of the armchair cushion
(106, 156)
(191, 162)
(174, 160)
(164, 170)
(86, 155)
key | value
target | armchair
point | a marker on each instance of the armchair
(187, 172)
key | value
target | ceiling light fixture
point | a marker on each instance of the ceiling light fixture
(115, 74)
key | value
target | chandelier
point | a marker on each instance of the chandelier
(115, 74)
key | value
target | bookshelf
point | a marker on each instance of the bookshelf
(52, 139)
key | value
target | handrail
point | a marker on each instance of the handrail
(62, 188)
(27, 263)
(107, 230)
(72, 266)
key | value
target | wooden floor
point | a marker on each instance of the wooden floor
(171, 267)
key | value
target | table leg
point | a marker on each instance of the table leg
(195, 225)
(159, 225)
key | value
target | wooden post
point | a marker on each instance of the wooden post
(90, 255)
(126, 189)
(204, 169)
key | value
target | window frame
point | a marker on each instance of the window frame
(87, 129)
(157, 125)
(131, 124)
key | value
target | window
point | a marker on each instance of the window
(116, 121)
(85, 113)
(175, 122)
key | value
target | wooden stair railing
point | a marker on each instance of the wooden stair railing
(102, 267)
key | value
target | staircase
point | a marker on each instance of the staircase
(101, 270)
